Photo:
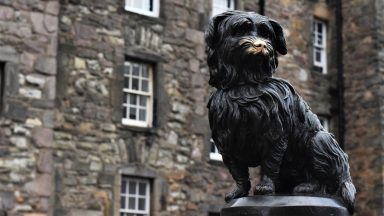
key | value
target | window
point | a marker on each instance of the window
(320, 45)
(220, 6)
(324, 121)
(138, 94)
(134, 197)
(145, 7)
(214, 153)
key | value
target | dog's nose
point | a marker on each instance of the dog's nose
(260, 44)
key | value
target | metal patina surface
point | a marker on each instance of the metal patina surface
(263, 205)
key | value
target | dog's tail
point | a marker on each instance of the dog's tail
(348, 193)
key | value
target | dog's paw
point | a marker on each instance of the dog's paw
(306, 188)
(262, 189)
(236, 193)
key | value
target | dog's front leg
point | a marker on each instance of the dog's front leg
(240, 174)
(270, 166)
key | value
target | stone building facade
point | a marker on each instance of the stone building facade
(68, 72)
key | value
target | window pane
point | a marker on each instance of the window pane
(135, 70)
(127, 69)
(320, 40)
(318, 56)
(135, 84)
(132, 99)
(132, 187)
(122, 202)
(131, 203)
(213, 148)
(144, 85)
(132, 115)
(142, 188)
(142, 114)
(124, 112)
(143, 101)
(319, 27)
(123, 187)
(126, 98)
(144, 71)
(126, 82)
(141, 203)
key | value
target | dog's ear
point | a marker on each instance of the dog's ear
(281, 46)
(211, 34)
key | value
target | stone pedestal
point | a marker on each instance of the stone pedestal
(285, 206)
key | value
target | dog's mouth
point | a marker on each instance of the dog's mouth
(256, 46)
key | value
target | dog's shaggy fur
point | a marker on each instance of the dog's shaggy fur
(260, 120)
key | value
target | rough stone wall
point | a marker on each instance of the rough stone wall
(363, 45)
(28, 49)
(92, 146)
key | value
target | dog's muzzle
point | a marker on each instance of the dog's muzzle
(255, 46)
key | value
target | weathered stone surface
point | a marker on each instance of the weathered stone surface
(20, 142)
(16, 111)
(45, 161)
(42, 137)
(76, 212)
(46, 65)
(35, 79)
(6, 13)
(7, 200)
(8, 54)
(41, 186)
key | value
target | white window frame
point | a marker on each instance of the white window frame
(128, 91)
(220, 6)
(214, 153)
(129, 6)
(136, 196)
(324, 121)
(320, 44)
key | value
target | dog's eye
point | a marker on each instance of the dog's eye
(243, 28)
(263, 31)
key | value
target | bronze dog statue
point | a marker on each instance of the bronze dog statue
(260, 120)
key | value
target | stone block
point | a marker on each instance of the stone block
(41, 186)
(35, 79)
(50, 88)
(46, 65)
(16, 111)
(45, 161)
(194, 65)
(42, 137)
(30, 92)
(85, 32)
(19, 142)
(194, 36)
(80, 63)
(8, 54)
(7, 200)
(28, 60)
(172, 138)
(52, 7)
(6, 13)
(44, 23)
(82, 212)
(34, 214)
(33, 122)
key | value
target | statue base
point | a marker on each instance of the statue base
(277, 205)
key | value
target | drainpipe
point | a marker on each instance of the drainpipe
(262, 7)
(340, 71)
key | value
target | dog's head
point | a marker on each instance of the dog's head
(242, 47)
